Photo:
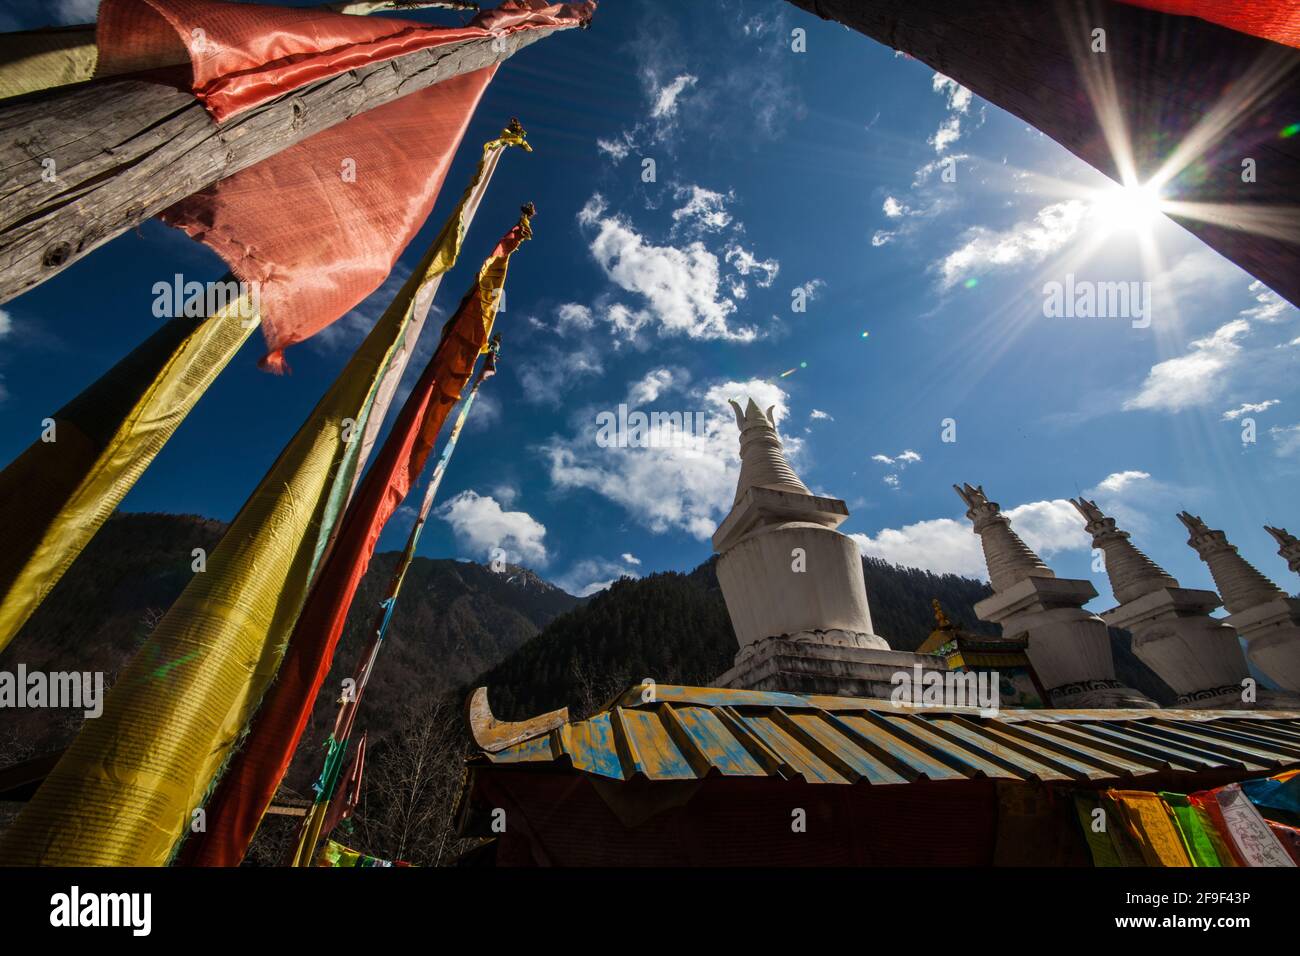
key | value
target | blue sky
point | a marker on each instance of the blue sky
(775, 170)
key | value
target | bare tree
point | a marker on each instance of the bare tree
(594, 689)
(411, 783)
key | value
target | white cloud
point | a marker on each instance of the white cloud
(901, 460)
(688, 487)
(817, 415)
(572, 315)
(1025, 243)
(945, 545)
(924, 172)
(1272, 307)
(1248, 408)
(630, 558)
(1196, 378)
(1117, 481)
(665, 98)
(506, 494)
(480, 525)
(596, 574)
(547, 373)
(812, 289)
(941, 545)
(894, 209)
(959, 100)
(618, 148)
(881, 238)
(705, 210)
(1049, 527)
(1212, 363)
(897, 463)
(6, 323)
(949, 132)
(652, 385)
(745, 262)
(948, 546)
(486, 412)
(680, 286)
(1287, 438)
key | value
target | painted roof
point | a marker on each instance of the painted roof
(692, 732)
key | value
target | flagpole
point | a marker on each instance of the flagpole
(336, 745)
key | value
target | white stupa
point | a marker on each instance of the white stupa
(1068, 646)
(1265, 617)
(1198, 656)
(793, 584)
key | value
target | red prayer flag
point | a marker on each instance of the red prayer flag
(316, 243)
(1276, 20)
(245, 54)
(348, 795)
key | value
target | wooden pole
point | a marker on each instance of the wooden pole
(1032, 58)
(124, 150)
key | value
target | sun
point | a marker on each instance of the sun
(1134, 209)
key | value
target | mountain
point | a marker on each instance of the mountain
(455, 619)
(458, 625)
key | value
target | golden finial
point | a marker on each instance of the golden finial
(941, 621)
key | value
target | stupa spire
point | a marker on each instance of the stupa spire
(1132, 574)
(1240, 585)
(762, 458)
(1288, 546)
(1009, 560)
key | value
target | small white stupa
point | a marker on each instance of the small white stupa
(1267, 619)
(1068, 646)
(1198, 656)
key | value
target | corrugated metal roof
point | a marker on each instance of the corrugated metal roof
(689, 733)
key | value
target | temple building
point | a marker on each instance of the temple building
(1004, 657)
(801, 754)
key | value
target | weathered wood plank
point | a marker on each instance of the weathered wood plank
(1029, 56)
(124, 150)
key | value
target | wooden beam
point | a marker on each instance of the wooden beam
(1029, 57)
(124, 150)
